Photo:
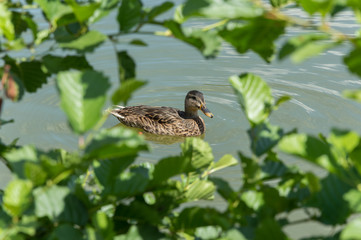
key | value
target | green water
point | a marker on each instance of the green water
(173, 68)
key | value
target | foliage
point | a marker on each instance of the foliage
(98, 192)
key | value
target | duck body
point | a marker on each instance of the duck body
(166, 120)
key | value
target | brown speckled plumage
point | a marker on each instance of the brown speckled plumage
(167, 120)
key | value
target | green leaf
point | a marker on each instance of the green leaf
(321, 6)
(35, 173)
(85, 43)
(54, 10)
(32, 75)
(232, 9)
(66, 231)
(353, 61)
(353, 198)
(169, 167)
(344, 140)
(58, 204)
(254, 95)
(17, 158)
(6, 26)
(352, 231)
(200, 189)
(253, 199)
(264, 137)
(131, 183)
(224, 189)
(56, 64)
(115, 143)
(269, 229)
(306, 46)
(103, 224)
(278, 3)
(198, 152)
(83, 12)
(353, 94)
(126, 90)
(129, 15)
(226, 161)
(193, 217)
(82, 97)
(17, 197)
(330, 201)
(158, 10)
(207, 42)
(132, 234)
(258, 35)
(138, 211)
(126, 66)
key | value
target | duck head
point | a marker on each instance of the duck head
(195, 101)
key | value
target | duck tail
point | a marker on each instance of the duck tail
(115, 111)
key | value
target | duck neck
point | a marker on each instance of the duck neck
(190, 112)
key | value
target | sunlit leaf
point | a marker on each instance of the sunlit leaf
(85, 43)
(353, 198)
(254, 95)
(126, 90)
(232, 9)
(103, 10)
(321, 6)
(344, 140)
(17, 197)
(54, 10)
(200, 189)
(115, 142)
(352, 231)
(254, 200)
(198, 152)
(129, 15)
(82, 97)
(83, 12)
(6, 25)
(258, 35)
(133, 233)
(16, 159)
(58, 204)
(226, 161)
(353, 94)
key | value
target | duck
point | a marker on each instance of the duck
(167, 120)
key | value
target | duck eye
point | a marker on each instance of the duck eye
(194, 98)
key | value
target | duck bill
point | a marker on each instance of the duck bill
(206, 112)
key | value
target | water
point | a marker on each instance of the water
(173, 68)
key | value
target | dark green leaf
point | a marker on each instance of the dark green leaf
(278, 3)
(126, 66)
(224, 189)
(254, 95)
(20, 25)
(32, 75)
(330, 201)
(58, 204)
(353, 61)
(85, 43)
(16, 159)
(56, 64)
(169, 167)
(66, 231)
(232, 9)
(129, 15)
(114, 143)
(125, 91)
(269, 229)
(138, 42)
(258, 35)
(158, 10)
(82, 97)
(138, 211)
(264, 137)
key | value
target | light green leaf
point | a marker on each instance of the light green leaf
(352, 231)
(54, 10)
(346, 141)
(6, 26)
(198, 152)
(82, 97)
(16, 158)
(353, 198)
(17, 197)
(321, 6)
(233, 234)
(132, 234)
(86, 42)
(58, 204)
(353, 94)
(253, 199)
(83, 12)
(200, 189)
(103, 225)
(126, 90)
(129, 15)
(232, 9)
(114, 143)
(103, 10)
(254, 95)
(226, 161)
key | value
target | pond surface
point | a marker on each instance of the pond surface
(173, 68)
